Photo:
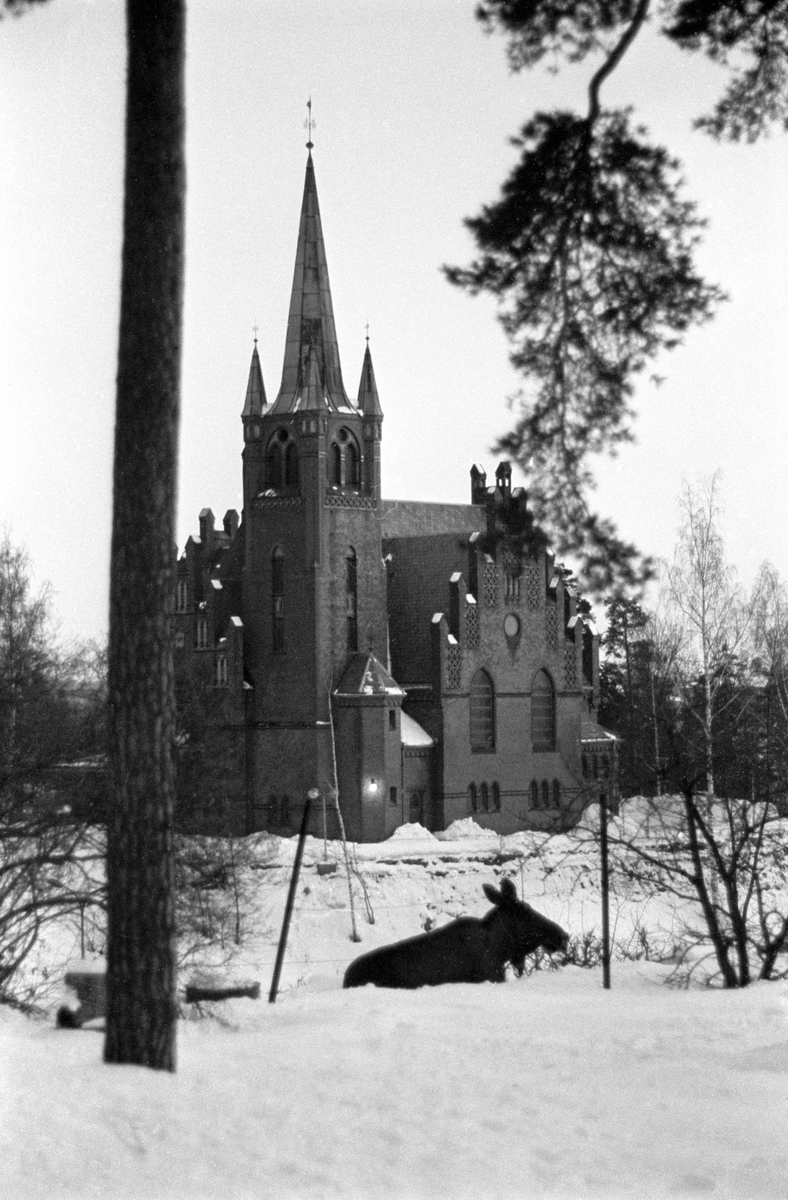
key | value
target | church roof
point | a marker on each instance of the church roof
(365, 675)
(311, 334)
(255, 389)
(591, 731)
(419, 518)
(412, 735)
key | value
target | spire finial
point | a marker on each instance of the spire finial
(309, 124)
(255, 327)
(367, 329)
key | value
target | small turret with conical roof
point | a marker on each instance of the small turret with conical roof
(255, 404)
(368, 400)
(369, 405)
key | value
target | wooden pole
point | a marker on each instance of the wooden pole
(280, 953)
(354, 937)
(196, 994)
(603, 847)
(325, 830)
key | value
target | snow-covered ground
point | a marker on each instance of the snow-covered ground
(544, 1086)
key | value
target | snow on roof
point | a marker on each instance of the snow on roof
(591, 732)
(365, 675)
(412, 733)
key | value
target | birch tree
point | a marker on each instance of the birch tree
(714, 610)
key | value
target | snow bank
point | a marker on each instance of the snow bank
(542, 1087)
(465, 828)
(412, 832)
(546, 1086)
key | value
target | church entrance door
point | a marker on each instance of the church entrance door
(417, 807)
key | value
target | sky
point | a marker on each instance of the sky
(414, 108)
(543, 1086)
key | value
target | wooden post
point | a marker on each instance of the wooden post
(354, 937)
(603, 847)
(280, 953)
(195, 994)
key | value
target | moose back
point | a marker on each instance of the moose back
(468, 950)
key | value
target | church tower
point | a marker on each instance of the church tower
(314, 596)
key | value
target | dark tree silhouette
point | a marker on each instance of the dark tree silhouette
(51, 707)
(15, 8)
(590, 248)
(141, 925)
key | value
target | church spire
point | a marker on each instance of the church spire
(310, 325)
(255, 402)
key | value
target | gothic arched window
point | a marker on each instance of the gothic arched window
(335, 465)
(473, 797)
(291, 465)
(496, 797)
(277, 601)
(351, 598)
(556, 793)
(281, 461)
(344, 461)
(352, 478)
(543, 712)
(274, 466)
(482, 712)
(534, 794)
(545, 794)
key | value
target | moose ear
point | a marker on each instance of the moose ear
(508, 891)
(492, 894)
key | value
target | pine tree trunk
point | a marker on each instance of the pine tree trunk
(141, 931)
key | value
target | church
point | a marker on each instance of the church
(401, 661)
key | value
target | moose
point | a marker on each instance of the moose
(468, 950)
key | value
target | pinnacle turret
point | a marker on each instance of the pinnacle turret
(255, 403)
(368, 400)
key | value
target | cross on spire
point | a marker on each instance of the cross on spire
(309, 123)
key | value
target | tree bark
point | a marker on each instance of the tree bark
(141, 1007)
(716, 933)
